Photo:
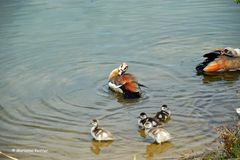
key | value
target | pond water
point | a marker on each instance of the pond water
(55, 57)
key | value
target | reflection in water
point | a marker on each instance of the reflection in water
(142, 133)
(155, 148)
(224, 76)
(98, 145)
(123, 100)
(238, 93)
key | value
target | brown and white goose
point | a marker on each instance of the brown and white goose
(221, 59)
(124, 83)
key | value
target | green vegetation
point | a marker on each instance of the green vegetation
(237, 1)
(229, 148)
(229, 138)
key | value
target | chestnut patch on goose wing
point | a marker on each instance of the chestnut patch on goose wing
(127, 77)
(128, 81)
(131, 86)
(123, 79)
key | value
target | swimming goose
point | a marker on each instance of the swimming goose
(143, 118)
(124, 83)
(100, 134)
(160, 135)
(164, 114)
(221, 59)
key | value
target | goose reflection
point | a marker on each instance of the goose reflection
(142, 133)
(120, 99)
(155, 148)
(97, 146)
(224, 76)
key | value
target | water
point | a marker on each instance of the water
(55, 57)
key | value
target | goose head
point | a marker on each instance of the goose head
(231, 51)
(122, 68)
(164, 107)
(94, 122)
(148, 125)
(143, 115)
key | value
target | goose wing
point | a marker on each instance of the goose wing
(128, 81)
(104, 134)
(223, 63)
(212, 55)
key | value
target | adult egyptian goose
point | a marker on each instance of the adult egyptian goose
(100, 134)
(221, 59)
(124, 83)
